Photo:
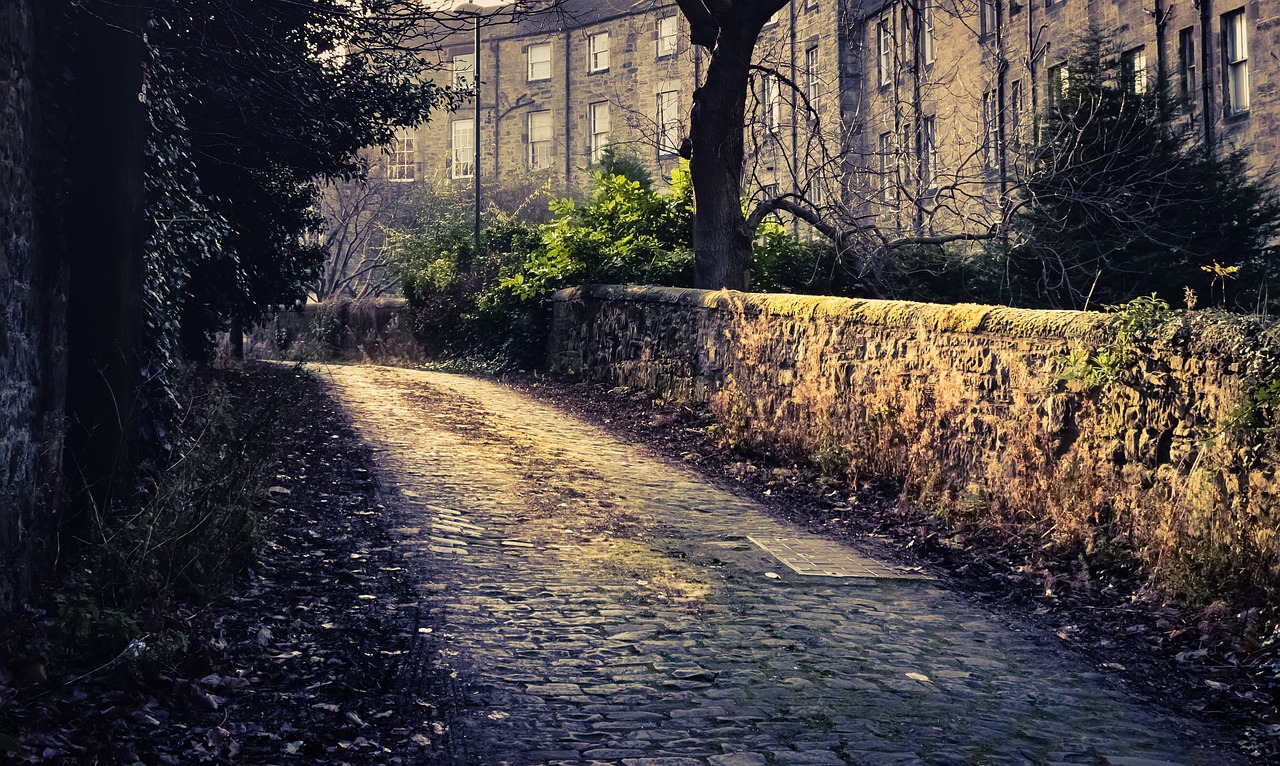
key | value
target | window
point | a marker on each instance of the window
(540, 140)
(1187, 65)
(1015, 111)
(402, 164)
(1059, 80)
(598, 52)
(813, 84)
(1236, 52)
(464, 148)
(990, 129)
(600, 129)
(539, 56)
(817, 191)
(668, 122)
(884, 52)
(771, 103)
(929, 153)
(464, 71)
(668, 39)
(986, 18)
(888, 185)
(1133, 70)
(926, 31)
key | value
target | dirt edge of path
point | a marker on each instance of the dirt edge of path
(324, 654)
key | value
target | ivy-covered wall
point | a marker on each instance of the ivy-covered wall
(1142, 432)
(32, 318)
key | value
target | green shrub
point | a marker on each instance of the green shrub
(625, 232)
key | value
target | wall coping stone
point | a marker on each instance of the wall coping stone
(965, 318)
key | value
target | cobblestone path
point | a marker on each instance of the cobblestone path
(602, 606)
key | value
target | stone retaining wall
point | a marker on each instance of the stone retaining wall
(964, 406)
(366, 330)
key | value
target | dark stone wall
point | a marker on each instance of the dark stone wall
(32, 317)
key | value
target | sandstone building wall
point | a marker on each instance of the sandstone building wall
(966, 408)
(924, 111)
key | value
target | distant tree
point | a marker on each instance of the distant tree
(1122, 199)
(357, 215)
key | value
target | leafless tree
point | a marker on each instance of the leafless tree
(357, 213)
(919, 151)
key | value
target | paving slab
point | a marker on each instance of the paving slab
(637, 625)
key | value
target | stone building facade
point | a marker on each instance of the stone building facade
(915, 115)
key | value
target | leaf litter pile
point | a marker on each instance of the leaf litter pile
(324, 654)
(1205, 662)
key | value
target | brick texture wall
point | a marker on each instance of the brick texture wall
(964, 406)
(32, 321)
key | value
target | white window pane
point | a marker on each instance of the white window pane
(402, 165)
(926, 42)
(464, 148)
(600, 129)
(667, 36)
(1237, 49)
(668, 122)
(598, 52)
(540, 61)
(540, 139)
(464, 71)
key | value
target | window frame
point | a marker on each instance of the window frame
(1058, 82)
(989, 117)
(398, 169)
(461, 82)
(530, 75)
(988, 19)
(813, 83)
(1015, 113)
(595, 53)
(1235, 63)
(1187, 65)
(667, 118)
(459, 161)
(1133, 70)
(884, 51)
(535, 144)
(771, 103)
(927, 43)
(929, 152)
(888, 168)
(673, 47)
(599, 138)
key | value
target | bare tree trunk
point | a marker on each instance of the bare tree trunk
(721, 242)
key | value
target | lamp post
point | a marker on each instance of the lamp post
(473, 10)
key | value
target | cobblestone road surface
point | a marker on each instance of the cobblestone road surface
(604, 607)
